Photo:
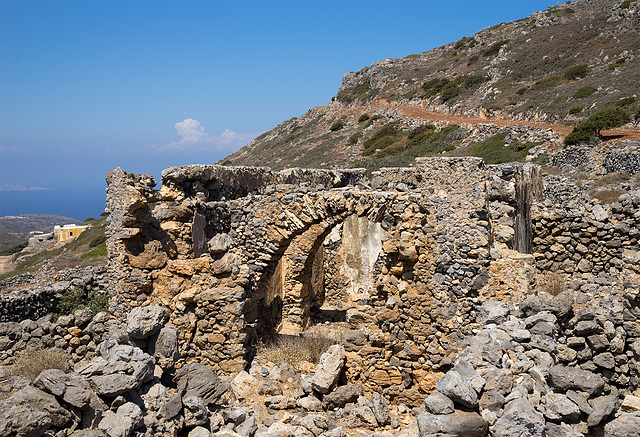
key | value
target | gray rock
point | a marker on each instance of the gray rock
(569, 378)
(563, 303)
(491, 400)
(493, 311)
(36, 399)
(561, 430)
(199, 431)
(316, 423)
(248, 428)
(520, 419)
(115, 425)
(500, 380)
(559, 407)
(172, 407)
(220, 243)
(459, 423)
(142, 322)
(461, 384)
(627, 425)
(603, 406)
(328, 369)
(164, 347)
(73, 388)
(437, 403)
(117, 368)
(234, 415)
(197, 379)
(21, 420)
(380, 409)
(131, 412)
(580, 401)
(342, 395)
(605, 360)
(195, 411)
(89, 433)
(310, 403)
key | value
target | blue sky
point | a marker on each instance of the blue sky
(86, 86)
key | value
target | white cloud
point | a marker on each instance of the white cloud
(193, 138)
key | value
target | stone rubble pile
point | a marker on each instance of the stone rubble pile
(563, 365)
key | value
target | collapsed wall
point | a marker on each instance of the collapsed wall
(235, 254)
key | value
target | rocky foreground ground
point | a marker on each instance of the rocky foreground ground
(551, 366)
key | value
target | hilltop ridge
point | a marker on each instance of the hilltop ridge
(550, 70)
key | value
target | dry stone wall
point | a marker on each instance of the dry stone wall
(404, 257)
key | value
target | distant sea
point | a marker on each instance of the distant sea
(79, 202)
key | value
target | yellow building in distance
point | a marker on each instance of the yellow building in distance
(67, 232)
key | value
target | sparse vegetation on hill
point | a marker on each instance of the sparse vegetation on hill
(555, 66)
(88, 248)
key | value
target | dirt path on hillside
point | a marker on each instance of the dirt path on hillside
(418, 112)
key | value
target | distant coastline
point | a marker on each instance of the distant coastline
(19, 187)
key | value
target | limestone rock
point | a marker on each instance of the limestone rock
(38, 400)
(520, 419)
(142, 322)
(199, 380)
(437, 403)
(328, 369)
(342, 395)
(21, 420)
(164, 347)
(566, 378)
(459, 423)
(627, 425)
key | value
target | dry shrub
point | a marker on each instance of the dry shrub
(295, 350)
(553, 283)
(30, 362)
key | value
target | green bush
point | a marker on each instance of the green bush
(607, 118)
(98, 251)
(14, 249)
(585, 91)
(547, 82)
(494, 151)
(336, 126)
(577, 72)
(626, 101)
(618, 63)
(353, 139)
(626, 3)
(521, 91)
(636, 116)
(76, 298)
(494, 49)
(575, 109)
(447, 89)
(363, 117)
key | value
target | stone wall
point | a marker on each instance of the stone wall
(237, 254)
(402, 259)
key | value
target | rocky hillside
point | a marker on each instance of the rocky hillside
(544, 73)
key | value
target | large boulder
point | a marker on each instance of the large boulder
(118, 368)
(72, 388)
(199, 380)
(461, 384)
(36, 399)
(143, 322)
(573, 378)
(164, 347)
(328, 369)
(520, 419)
(459, 423)
(22, 420)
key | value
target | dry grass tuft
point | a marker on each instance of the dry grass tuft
(553, 283)
(296, 350)
(30, 362)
